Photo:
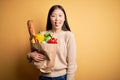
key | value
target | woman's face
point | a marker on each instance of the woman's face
(57, 19)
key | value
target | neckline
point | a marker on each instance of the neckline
(56, 32)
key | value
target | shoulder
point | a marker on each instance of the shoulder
(69, 35)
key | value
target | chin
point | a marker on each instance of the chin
(58, 27)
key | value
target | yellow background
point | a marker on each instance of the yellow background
(95, 23)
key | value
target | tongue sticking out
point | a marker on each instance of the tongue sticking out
(57, 23)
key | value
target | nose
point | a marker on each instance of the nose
(57, 18)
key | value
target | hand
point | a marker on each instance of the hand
(37, 56)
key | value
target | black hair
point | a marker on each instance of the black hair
(65, 26)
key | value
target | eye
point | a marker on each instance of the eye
(52, 15)
(60, 15)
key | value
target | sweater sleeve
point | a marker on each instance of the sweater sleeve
(71, 57)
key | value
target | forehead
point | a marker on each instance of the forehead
(57, 11)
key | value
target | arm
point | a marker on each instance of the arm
(71, 57)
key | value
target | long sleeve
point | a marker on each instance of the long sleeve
(71, 57)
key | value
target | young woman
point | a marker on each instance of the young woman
(65, 61)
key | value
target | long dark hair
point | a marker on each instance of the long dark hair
(65, 26)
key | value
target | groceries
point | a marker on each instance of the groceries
(45, 38)
(44, 43)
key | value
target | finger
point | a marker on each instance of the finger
(41, 56)
(36, 59)
(39, 59)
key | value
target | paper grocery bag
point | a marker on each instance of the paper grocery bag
(49, 50)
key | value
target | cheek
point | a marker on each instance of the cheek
(63, 19)
(52, 20)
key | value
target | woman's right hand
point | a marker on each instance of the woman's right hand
(37, 56)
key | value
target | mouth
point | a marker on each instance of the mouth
(57, 23)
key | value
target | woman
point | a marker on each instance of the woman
(65, 61)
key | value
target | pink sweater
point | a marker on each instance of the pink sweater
(65, 62)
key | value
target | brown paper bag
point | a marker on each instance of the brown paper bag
(49, 50)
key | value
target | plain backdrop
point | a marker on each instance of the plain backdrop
(95, 24)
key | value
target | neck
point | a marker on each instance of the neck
(56, 31)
